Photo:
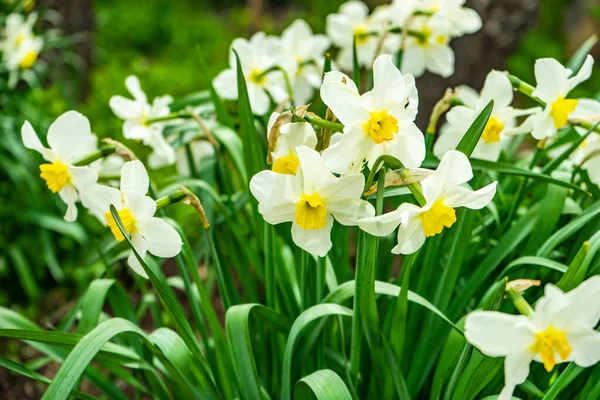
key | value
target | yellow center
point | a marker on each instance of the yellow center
(361, 35)
(286, 164)
(56, 175)
(19, 39)
(561, 109)
(126, 218)
(311, 211)
(493, 129)
(549, 343)
(423, 39)
(28, 60)
(381, 126)
(437, 217)
(257, 77)
(441, 39)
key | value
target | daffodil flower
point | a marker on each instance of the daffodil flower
(561, 329)
(136, 113)
(554, 83)
(587, 155)
(353, 20)
(310, 200)
(428, 48)
(292, 135)
(68, 139)
(18, 29)
(500, 127)
(444, 190)
(136, 211)
(375, 123)
(259, 56)
(306, 49)
(462, 20)
(24, 56)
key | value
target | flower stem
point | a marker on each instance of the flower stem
(96, 155)
(519, 301)
(169, 117)
(323, 123)
(174, 197)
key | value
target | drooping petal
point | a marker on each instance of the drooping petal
(277, 195)
(163, 240)
(69, 196)
(134, 177)
(497, 334)
(315, 241)
(141, 246)
(32, 141)
(125, 108)
(69, 136)
(381, 225)
(460, 196)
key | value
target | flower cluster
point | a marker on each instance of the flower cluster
(19, 46)
(289, 68)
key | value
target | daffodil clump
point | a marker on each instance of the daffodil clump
(459, 259)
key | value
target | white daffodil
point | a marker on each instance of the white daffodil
(554, 82)
(587, 155)
(18, 29)
(500, 127)
(375, 123)
(462, 20)
(68, 138)
(136, 211)
(307, 50)
(353, 20)
(136, 114)
(24, 56)
(561, 329)
(428, 49)
(310, 200)
(292, 135)
(263, 67)
(444, 190)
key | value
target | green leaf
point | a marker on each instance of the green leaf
(556, 161)
(322, 385)
(469, 141)
(303, 320)
(534, 260)
(568, 375)
(193, 99)
(578, 268)
(237, 324)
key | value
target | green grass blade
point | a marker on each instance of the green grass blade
(322, 385)
(533, 260)
(578, 58)
(469, 141)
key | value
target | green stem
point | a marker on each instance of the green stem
(96, 155)
(174, 197)
(269, 266)
(520, 303)
(303, 278)
(169, 117)
(323, 123)
(286, 78)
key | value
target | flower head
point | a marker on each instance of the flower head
(136, 211)
(444, 190)
(554, 83)
(561, 329)
(18, 29)
(310, 200)
(501, 125)
(263, 67)
(136, 113)
(68, 138)
(375, 123)
(298, 43)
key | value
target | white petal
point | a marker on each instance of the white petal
(448, 140)
(338, 156)
(32, 141)
(140, 245)
(587, 110)
(349, 212)
(277, 195)
(341, 189)
(83, 177)
(388, 80)
(142, 207)
(496, 334)
(357, 10)
(549, 310)
(125, 108)
(69, 136)
(313, 170)
(413, 61)
(583, 305)
(135, 130)
(315, 241)
(551, 78)
(408, 146)
(381, 225)
(516, 370)
(134, 177)
(543, 125)
(344, 101)
(454, 169)
(226, 84)
(69, 196)
(585, 349)
(460, 196)
(132, 83)
(583, 74)
(259, 101)
(441, 60)
(163, 240)
(496, 87)
(410, 235)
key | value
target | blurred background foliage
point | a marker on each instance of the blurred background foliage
(161, 41)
